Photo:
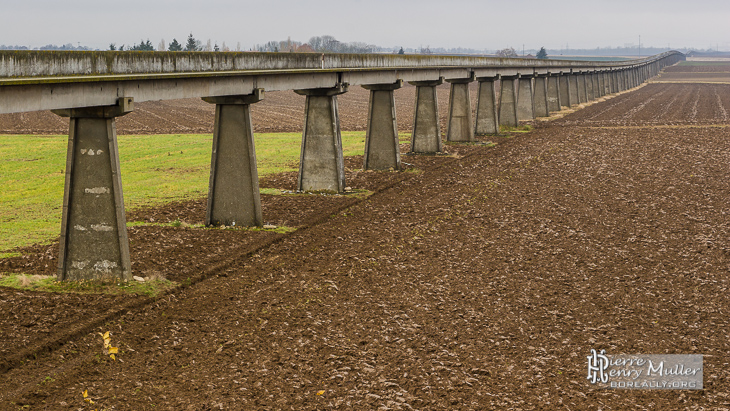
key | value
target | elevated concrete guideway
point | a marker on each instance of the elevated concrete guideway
(39, 80)
(94, 88)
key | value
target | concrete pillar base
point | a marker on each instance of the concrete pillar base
(582, 95)
(590, 95)
(553, 92)
(94, 243)
(525, 99)
(322, 165)
(233, 192)
(565, 93)
(541, 96)
(426, 137)
(460, 126)
(508, 102)
(382, 150)
(487, 121)
(574, 91)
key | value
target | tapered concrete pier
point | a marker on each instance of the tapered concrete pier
(589, 87)
(322, 165)
(426, 136)
(94, 243)
(508, 102)
(565, 93)
(382, 150)
(233, 191)
(487, 117)
(525, 101)
(553, 92)
(460, 127)
(574, 89)
(581, 81)
(541, 96)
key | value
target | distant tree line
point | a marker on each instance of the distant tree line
(67, 46)
(319, 44)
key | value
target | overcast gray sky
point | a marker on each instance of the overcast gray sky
(388, 23)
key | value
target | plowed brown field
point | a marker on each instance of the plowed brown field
(479, 280)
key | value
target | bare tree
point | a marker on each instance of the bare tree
(508, 52)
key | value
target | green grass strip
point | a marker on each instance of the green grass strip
(49, 284)
(155, 169)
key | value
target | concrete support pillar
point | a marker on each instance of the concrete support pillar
(322, 166)
(487, 121)
(565, 93)
(541, 96)
(460, 127)
(597, 86)
(614, 82)
(508, 102)
(589, 86)
(426, 137)
(233, 191)
(94, 243)
(382, 149)
(601, 81)
(525, 96)
(574, 90)
(553, 92)
(582, 95)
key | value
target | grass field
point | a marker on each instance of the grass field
(155, 170)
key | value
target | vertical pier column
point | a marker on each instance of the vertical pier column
(508, 102)
(541, 96)
(574, 90)
(565, 93)
(597, 92)
(460, 127)
(582, 95)
(487, 121)
(94, 243)
(553, 92)
(426, 136)
(382, 150)
(525, 98)
(614, 82)
(321, 165)
(233, 190)
(590, 89)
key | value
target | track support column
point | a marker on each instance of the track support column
(460, 127)
(553, 92)
(508, 102)
(565, 92)
(322, 165)
(581, 82)
(541, 96)
(426, 136)
(94, 243)
(487, 121)
(525, 98)
(382, 150)
(233, 191)
(590, 87)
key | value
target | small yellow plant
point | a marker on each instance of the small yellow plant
(86, 397)
(110, 351)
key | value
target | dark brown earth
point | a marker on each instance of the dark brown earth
(479, 280)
